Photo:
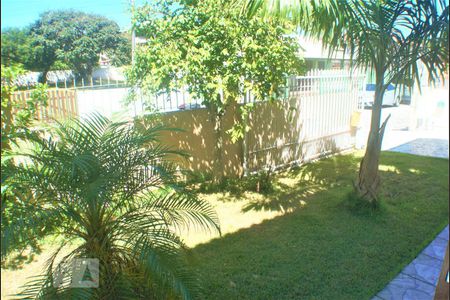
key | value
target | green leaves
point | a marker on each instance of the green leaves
(15, 47)
(112, 187)
(209, 48)
(66, 39)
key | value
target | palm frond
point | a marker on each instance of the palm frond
(115, 188)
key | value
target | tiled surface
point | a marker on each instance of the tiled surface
(426, 147)
(424, 268)
(437, 248)
(444, 234)
(406, 287)
(418, 279)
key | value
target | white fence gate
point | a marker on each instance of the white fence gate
(313, 122)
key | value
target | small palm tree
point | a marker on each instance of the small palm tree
(389, 37)
(113, 188)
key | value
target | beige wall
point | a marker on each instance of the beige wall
(282, 135)
(278, 136)
(316, 120)
(198, 140)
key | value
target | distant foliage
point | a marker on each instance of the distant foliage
(121, 55)
(66, 39)
(15, 47)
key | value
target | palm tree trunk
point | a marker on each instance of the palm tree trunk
(368, 181)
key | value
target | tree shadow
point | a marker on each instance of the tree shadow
(325, 251)
(16, 261)
(293, 188)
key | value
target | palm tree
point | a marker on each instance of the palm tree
(386, 36)
(112, 188)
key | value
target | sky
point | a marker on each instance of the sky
(20, 13)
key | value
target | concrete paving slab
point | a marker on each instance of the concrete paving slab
(425, 147)
(444, 234)
(406, 287)
(424, 268)
(436, 248)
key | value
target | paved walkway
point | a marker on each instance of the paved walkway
(425, 146)
(418, 280)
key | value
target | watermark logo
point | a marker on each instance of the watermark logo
(83, 273)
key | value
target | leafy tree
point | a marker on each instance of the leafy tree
(121, 55)
(15, 47)
(75, 38)
(112, 188)
(387, 36)
(209, 48)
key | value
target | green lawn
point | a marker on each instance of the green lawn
(301, 241)
(318, 248)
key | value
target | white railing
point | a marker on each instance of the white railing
(322, 104)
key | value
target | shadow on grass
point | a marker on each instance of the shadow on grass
(16, 261)
(325, 251)
(293, 188)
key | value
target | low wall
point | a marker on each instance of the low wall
(278, 137)
(198, 140)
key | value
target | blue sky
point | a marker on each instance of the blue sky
(20, 13)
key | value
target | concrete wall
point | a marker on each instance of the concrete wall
(277, 137)
(198, 140)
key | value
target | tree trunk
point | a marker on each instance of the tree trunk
(43, 78)
(368, 181)
(218, 150)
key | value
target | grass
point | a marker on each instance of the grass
(300, 240)
(318, 248)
